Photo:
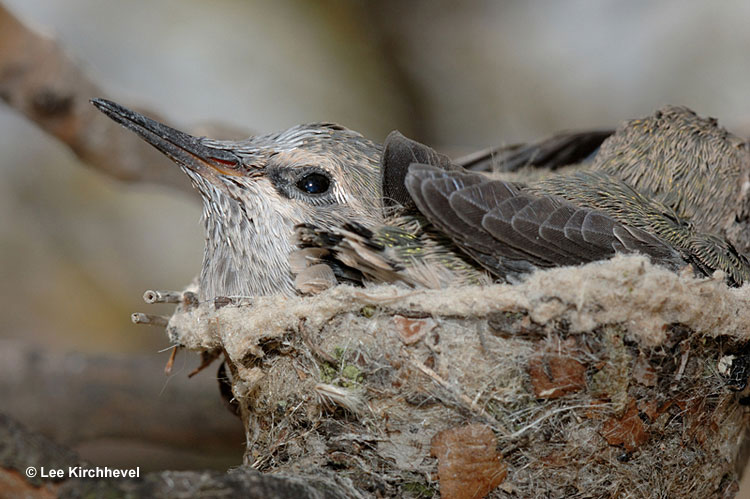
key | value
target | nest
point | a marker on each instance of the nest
(616, 378)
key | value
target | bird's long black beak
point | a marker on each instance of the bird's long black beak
(186, 150)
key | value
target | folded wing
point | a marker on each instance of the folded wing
(508, 229)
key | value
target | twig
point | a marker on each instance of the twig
(23, 447)
(110, 396)
(207, 358)
(152, 297)
(149, 319)
(41, 82)
(170, 362)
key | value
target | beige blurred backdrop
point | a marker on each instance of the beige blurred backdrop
(78, 248)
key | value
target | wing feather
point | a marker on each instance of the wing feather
(509, 230)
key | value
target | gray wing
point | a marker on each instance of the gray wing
(509, 230)
(562, 149)
(398, 153)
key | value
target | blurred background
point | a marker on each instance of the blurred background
(78, 248)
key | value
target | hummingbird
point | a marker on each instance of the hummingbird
(697, 167)
(694, 165)
(255, 192)
(317, 204)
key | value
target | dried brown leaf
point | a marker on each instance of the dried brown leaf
(628, 431)
(556, 373)
(412, 330)
(469, 465)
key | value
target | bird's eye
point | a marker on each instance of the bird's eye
(314, 183)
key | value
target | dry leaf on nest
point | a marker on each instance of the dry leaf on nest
(628, 431)
(412, 330)
(469, 464)
(556, 373)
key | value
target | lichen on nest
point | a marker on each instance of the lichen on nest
(581, 381)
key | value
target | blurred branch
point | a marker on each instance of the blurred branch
(21, 449)
(97, 396)
(44, 84)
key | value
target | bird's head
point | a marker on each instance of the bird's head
(698, 167)
(255, 191)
